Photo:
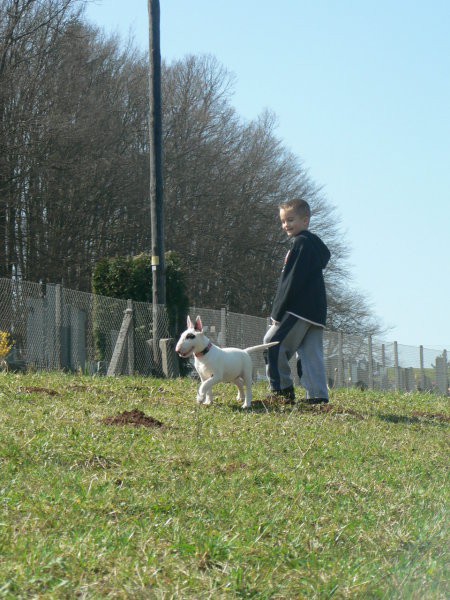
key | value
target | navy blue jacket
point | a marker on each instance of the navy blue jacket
(301, 288)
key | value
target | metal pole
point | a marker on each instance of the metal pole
(156, 175)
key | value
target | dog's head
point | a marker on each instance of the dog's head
(193, 340)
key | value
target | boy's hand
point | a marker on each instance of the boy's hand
(274, 322)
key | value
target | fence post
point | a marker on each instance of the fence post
(396, 367)
(444, 354)
(169, 358)
(130, 339)
(45, 345)
(423, 382)
(58, 325)
(370, 373)
(442, 373)
(384, 380)
(223, 326)
(340, 367)
(118, 353)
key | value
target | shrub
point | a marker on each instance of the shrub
(130, 278)
(6, 344)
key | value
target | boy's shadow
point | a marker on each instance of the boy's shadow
(258, 406)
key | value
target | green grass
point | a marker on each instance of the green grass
(349, 502)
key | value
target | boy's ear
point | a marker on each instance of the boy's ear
(198, 324)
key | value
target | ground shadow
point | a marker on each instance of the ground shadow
(417, 417)
(260, 406)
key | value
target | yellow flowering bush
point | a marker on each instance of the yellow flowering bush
(6, 344)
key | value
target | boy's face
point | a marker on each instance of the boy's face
(292, 222)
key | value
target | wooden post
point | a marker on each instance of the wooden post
(45, 344)
(370, 373)
(444, 354)
(130, 339)
(119, 349)
(384, 380)
(442, 373)
(58, 324)
(169, 358)
(423, 383)
(396, 367)
(223, 327)
(340, 367)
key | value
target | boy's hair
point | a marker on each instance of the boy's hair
(300, 206)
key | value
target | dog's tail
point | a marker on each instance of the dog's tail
(261, 347)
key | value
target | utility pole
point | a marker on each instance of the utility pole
(156, 175)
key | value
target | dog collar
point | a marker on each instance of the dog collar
(205, 351)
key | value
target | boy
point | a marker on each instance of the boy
(299, 310)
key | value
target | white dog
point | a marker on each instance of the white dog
(215, 364)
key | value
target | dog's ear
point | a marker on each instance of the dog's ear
(198, 324)
(189, 323)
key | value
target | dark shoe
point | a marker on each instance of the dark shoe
(287, 401)
(286, 396)
(315, 400)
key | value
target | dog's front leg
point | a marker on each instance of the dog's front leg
(200, 396)
(204, 397)
(205, 390)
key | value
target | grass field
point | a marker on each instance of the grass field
(346, 501)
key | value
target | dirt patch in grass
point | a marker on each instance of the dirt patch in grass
(97, 461)
(40, 390)
(135, 417)
(231, 468)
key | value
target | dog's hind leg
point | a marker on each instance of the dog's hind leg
(240, 385)
(248, 388)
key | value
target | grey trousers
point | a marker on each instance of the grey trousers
(296, 336)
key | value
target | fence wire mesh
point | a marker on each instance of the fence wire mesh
(57, 328)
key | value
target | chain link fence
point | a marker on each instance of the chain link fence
(55, 328)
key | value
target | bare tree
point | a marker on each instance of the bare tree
(224, 181)
(72, 106)
(74, 168)
(27, 30)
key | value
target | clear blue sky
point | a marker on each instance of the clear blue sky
(361, 90)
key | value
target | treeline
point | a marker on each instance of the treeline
(74, 168)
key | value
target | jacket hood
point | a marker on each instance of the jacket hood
(322, 250)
